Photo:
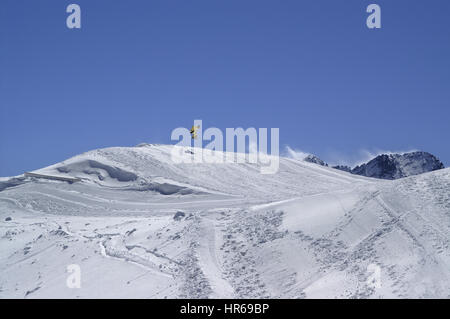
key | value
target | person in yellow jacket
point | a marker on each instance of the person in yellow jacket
(193, 131)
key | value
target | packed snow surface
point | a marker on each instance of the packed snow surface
(140, 226)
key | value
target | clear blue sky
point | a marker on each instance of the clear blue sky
(138, 69)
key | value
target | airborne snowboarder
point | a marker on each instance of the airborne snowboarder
(193, 131)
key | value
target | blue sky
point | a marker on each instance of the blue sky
(138, 69)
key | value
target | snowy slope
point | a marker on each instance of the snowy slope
(307, 231)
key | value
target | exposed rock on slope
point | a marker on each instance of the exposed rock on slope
(314, 159)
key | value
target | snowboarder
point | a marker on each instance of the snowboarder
(193, 131)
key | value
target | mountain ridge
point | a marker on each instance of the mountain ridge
(389, 166)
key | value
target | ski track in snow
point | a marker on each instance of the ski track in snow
(141, 226)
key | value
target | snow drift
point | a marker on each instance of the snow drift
(139, 225)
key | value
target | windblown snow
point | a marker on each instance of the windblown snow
(140, 226)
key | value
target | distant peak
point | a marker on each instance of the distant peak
(397, 165)
(314, 159)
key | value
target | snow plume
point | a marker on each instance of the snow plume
(295, 153)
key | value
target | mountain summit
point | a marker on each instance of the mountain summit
(394, 166)
(389, 166)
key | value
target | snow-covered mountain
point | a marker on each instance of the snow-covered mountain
(390, 166)
(393, 166)
(139, 225)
